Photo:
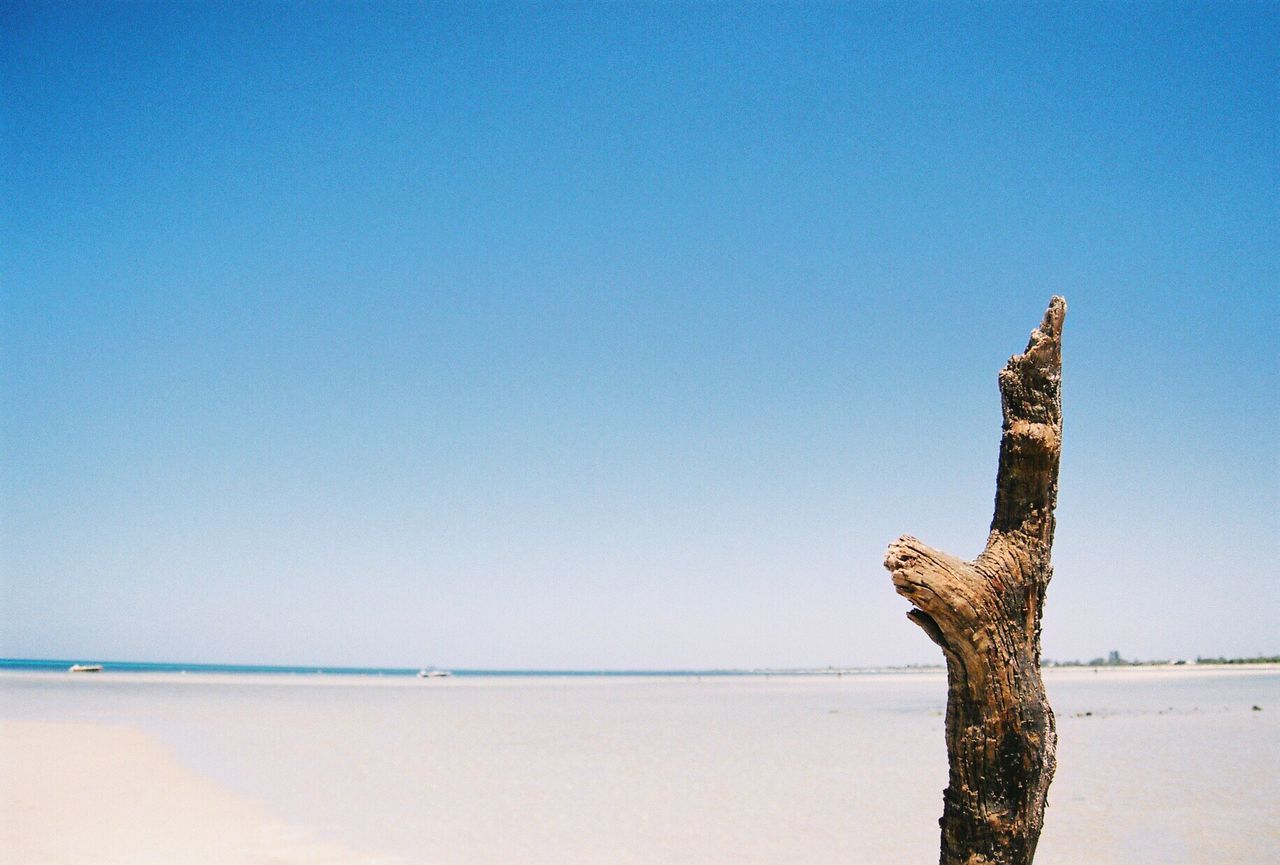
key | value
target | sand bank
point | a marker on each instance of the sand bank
(85, 794)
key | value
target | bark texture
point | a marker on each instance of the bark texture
(985, 615)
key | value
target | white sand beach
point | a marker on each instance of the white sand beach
(76, 793)
(1155, 766)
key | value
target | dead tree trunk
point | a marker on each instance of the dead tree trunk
(985, 615)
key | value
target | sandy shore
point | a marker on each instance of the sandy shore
(85, 794)
(1173, 766)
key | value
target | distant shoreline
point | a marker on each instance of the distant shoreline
(63, 664)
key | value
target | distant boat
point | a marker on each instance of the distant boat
(85, 668)
(434, 674)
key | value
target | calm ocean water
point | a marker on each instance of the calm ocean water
(60, 665)
(1167, 766)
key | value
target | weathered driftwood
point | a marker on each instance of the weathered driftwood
(985, 615)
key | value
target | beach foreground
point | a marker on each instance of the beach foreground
(86, 793)
(1162, 766)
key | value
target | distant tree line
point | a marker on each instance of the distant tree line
(1260, 659)
(1114, 659)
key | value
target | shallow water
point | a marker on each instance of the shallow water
(1170, 766)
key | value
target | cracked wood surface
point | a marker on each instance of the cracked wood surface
(985, 616)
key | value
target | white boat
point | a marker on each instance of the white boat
(85, 668)
(434, 674)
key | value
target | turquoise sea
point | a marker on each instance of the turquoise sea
(58, 664)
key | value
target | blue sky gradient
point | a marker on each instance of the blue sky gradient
(623, 335)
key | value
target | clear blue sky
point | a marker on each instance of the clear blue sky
(625, 335)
